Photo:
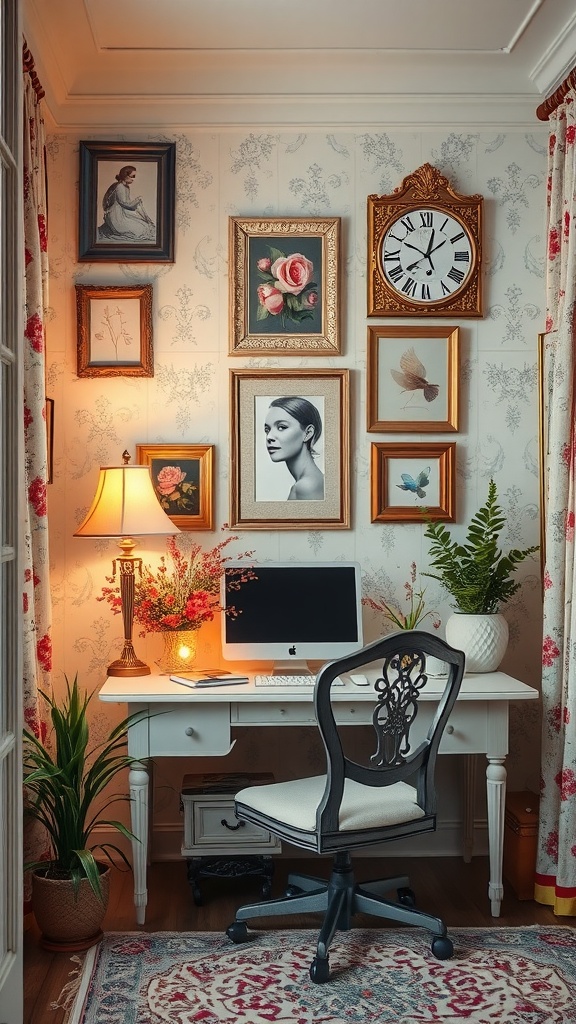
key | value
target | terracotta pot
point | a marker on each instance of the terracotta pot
(69, 920)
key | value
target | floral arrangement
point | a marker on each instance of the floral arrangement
(184, 591)
(288, 289)
(417, 611)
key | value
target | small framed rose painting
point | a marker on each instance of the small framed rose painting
(182, 476)
(284, 286)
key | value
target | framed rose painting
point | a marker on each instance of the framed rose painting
(182, 476)
(284, 286)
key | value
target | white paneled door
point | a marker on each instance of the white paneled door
(11, 493)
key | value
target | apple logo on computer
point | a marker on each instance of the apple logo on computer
(292, 651)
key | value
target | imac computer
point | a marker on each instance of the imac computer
(292, 613)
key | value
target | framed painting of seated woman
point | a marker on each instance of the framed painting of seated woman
(127, 202)
(289, 449)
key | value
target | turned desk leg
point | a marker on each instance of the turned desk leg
(496, 794)
(139, 788)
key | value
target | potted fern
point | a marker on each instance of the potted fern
(63, 776)
(479, 577)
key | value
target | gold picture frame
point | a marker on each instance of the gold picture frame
(183, 479)
(411, 482)
(275, 417)
(412, 379)
(284, 286)
(114, 331)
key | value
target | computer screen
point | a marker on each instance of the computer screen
(292, 613)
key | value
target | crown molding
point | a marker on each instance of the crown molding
(557, 61)
(111, 113)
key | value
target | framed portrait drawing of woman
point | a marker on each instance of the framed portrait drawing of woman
(127, 194)
(289, 449)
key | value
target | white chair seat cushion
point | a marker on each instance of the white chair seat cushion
(295, 803)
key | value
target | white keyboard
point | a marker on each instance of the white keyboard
(289, 681)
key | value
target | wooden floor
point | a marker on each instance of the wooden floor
(446, 887)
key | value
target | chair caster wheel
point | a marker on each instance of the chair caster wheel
(292, 890)
(197, 897)
(319, 970)
(407, 897)
(237, 931)
(442, 947)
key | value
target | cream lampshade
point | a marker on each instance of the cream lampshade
(125, 505)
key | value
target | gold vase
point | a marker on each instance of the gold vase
(179, 652)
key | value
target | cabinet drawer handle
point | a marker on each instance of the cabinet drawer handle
(189, 731)
(232, 828)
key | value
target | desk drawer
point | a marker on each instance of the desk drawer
(349, 712)
(190, 730)
(212, 829)
(466, 732)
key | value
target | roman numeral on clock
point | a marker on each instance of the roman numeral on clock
(395, 273)
(462, 256)
(456, 238)
(456, 275)
(409, 287)
(407, 223)
(426, 218)
(392, 255)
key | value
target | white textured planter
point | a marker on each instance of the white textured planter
(483, 638)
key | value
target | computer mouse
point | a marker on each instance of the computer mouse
(358, 679)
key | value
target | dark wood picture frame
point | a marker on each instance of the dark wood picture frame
(114, 331)
(411, 482)
(127, 199)
(183, 479)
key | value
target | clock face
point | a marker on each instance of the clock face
(426, 255)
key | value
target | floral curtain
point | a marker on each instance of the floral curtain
(556, 860)
(37, 642)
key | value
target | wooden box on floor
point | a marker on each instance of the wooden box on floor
(520, 841)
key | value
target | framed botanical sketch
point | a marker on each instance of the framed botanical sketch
(290, 449)
(114, 331)
(183, 479)
(409, 482)
(412, 379)
(284, 285)
(127, 193)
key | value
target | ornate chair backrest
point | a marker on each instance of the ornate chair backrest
(396, 669)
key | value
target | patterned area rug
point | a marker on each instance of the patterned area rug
(378, 976)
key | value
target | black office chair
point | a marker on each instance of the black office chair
(357, 805)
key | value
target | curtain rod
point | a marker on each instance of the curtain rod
(28, 65)
(551, 102)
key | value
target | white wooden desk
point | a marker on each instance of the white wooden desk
(198, 723)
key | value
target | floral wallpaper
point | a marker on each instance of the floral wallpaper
(318, 173)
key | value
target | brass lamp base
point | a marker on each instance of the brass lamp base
(128, 664)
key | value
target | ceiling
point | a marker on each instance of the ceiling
(169, 62)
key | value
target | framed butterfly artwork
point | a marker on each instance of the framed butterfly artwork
(412, 379)
(413, 482)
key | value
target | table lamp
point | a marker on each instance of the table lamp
(125, 505)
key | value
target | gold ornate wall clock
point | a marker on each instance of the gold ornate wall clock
(425, 249)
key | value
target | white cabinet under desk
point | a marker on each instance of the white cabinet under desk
(187, 722)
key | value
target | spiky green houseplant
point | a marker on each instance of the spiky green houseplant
(64, 777)
(477, 574)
